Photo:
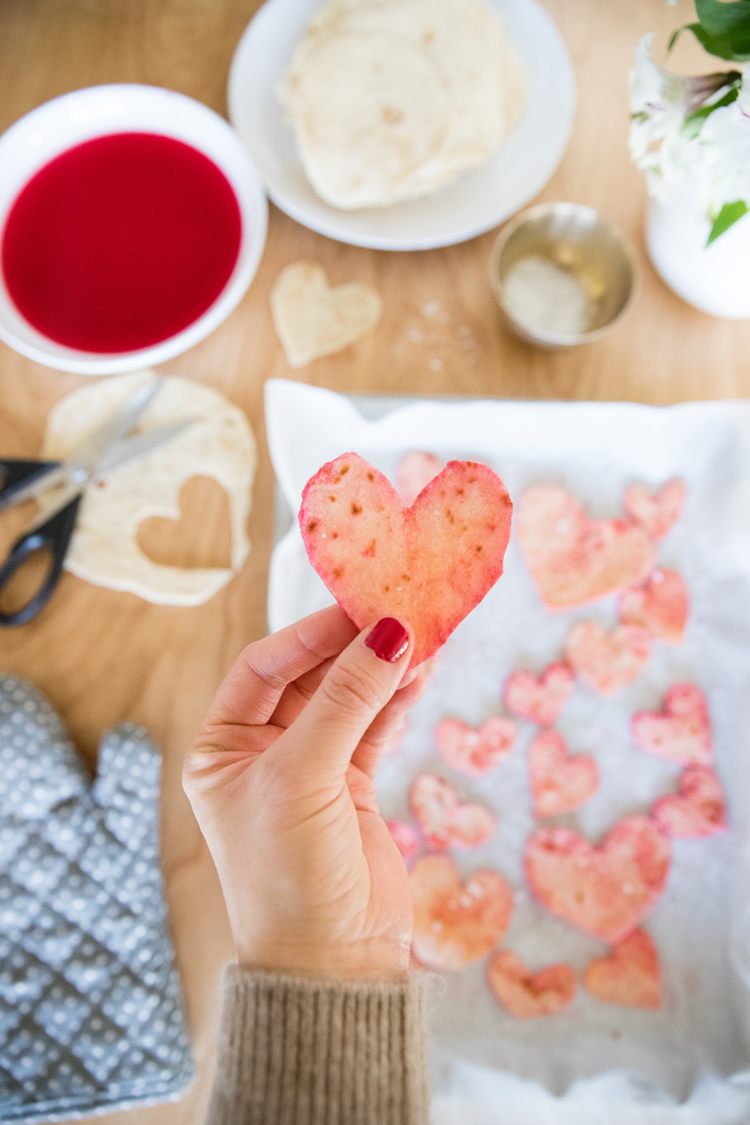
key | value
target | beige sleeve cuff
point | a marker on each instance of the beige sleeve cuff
(294, 1051)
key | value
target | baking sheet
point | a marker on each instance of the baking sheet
(593, 1063)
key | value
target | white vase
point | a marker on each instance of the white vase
(715, 278)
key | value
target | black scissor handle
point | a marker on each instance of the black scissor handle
(15, 474)
(54, 535)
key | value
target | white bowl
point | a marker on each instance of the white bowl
(98, 111)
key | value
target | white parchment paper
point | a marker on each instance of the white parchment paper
(594, 1063)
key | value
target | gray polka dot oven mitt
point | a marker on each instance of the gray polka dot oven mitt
(90, 1008)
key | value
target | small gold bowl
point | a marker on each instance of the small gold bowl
(562, 275)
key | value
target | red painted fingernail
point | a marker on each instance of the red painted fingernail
(388, 640)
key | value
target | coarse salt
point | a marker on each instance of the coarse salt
(541, 295)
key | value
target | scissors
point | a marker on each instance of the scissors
(61, 485)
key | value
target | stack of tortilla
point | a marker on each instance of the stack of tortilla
(393, 99)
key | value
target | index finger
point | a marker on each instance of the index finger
(251, 690)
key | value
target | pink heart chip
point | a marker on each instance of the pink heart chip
(661, 605)
(444, 820)
(415, 470)
(542, 699)
(559, 783)
(527, 995)
(629, 975)
(456, 923)
(655, 512)
(427, 565)
(572, 558)
(681, 732)
(605, 891)
(608, 662)
(698, 811)
(404, 837)
(475, 752)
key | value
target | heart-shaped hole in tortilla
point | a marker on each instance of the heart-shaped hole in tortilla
(201, 538)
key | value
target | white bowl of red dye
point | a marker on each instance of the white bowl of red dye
(132, 222)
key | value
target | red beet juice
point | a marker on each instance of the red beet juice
(121, 242)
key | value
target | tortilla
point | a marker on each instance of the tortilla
(104, 549)
(312, 319)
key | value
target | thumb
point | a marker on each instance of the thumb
(355, 689)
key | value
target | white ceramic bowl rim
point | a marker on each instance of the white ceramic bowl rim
(96, 111)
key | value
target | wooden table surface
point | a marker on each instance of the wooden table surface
(102, 657)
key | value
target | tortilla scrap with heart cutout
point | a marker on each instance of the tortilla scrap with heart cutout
(608, 662)
(474, 752)
(527, 995)
(573, 559)
(629, 976)
(219, 444)
(559, 783)
(681, 732)
(414, 472)
(313, 320)
(445, 821)
(427, 565)
(661, 605)
(607, 890)
(457, 922)
(542, 698)
(404, 837)
(655, 512)
(698, 811)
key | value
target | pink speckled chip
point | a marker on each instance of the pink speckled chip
(681, 732)
(559, 783)
(457, 922)
(629, 976)
(404, 837)
(608, 662)
(528, 995)
(655, 512)
(574, 559)
(475, 751)
(542, 698)
(698, 811)
(427, 565)
(444, 820)
(661, 605)
(607, 890)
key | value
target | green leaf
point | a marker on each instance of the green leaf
(723, 46)
(675, 36)
(723, 28)
(726, 218)
(694, 122)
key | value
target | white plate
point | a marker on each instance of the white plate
(481, 199)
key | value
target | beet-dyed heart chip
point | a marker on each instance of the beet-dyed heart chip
(559, 783)
(527, 995)
(572, 558)
(427, 565)
(681, 732)
(629, 975)
(655, 512)
(539, 699)
(471, 751)
(457, 922)
(661, 605)
(698, 811)
(608, 662)
(605, 891)
(415, 470)
(444, 820)
(404, 837)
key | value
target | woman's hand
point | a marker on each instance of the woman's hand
(281, 780)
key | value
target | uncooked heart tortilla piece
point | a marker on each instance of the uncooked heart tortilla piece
(312, 319)
(427, 565)
(104, 549)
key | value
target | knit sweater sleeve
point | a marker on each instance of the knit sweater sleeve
(296, 1051)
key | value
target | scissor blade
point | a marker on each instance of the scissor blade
(89, 455)
(128, 449)
(17, 494)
